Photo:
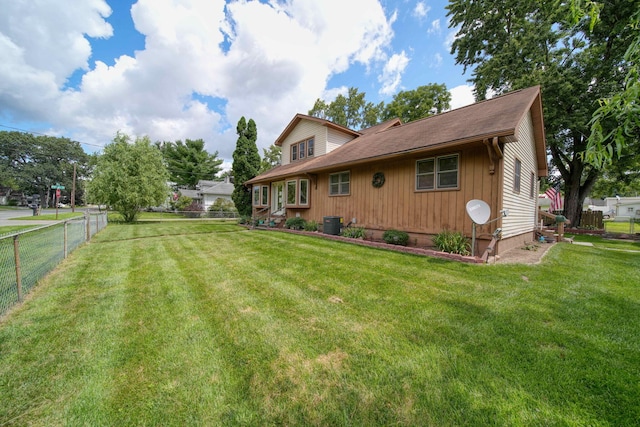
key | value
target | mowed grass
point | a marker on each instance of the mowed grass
(200, 323)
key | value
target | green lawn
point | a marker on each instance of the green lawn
(50, 216)
(200, 323)
(621, 227)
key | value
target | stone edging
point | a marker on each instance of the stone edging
(386, 246)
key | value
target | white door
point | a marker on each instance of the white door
(277, 197)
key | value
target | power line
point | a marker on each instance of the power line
(44, 134)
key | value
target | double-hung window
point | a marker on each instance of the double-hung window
(339, 184)
(438, 173)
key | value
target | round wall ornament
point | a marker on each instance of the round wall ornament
(378, 179)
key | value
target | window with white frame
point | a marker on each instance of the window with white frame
(256, 195)
(291, 192)
(438, 173)
(265, 195)
(339, 184)
(304, 192)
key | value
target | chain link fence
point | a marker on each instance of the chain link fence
(27, 256)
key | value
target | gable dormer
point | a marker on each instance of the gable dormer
(308, 136)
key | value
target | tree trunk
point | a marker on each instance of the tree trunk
(578, 178)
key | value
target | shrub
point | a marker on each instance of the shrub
(452, 242)
(354, 232)
(194, 210)
(295, 223)
(395, 237)
(222, 208)
(182, 203)
(311, 226)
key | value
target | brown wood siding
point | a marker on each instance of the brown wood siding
(397, 205)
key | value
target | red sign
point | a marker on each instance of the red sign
(58, 193)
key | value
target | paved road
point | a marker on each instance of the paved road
(6, 214)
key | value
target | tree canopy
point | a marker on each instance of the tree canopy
(129, 177)
(246, 164)
(189, 162)
(351, 111)
(270, 158)
(510, 44)
(32, 164)
(423, 101)
(354, 112)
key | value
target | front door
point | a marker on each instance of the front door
(277, 197)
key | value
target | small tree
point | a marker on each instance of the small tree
(246, 163)
(129, 177)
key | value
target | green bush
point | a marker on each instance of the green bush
(395, 237)
(452, 242)
(311, 226)
(354, 232)
(295, 223)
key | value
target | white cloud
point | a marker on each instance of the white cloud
(435, 27)
(461, 95)
(392, 73)
(266, 61)
(437, 61)
(421, 10)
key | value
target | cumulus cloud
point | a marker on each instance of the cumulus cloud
(392, 73)
(434, 28)
(461, 95)
(421, 10)
(266, 61)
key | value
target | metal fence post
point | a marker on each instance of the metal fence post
(65, 240)
(16, 254)
(87, 223)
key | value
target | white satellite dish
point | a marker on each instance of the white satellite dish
(479, 211)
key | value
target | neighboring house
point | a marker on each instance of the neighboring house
(207, 192)
(416, 177)
(625, 207)
(211, 191)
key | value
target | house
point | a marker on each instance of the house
(415, 177)
(207, 192)
(624, 208)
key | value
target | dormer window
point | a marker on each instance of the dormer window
(302, 149)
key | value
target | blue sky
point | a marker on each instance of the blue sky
(178, 69)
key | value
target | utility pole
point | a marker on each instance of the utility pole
(73, 190)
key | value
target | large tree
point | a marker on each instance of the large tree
(32, 164)
(246, 164)
(615, 126)
(351, 111)
(511, 44)
(271, 158)
(423, 101)
(129, 177)
(189, 162)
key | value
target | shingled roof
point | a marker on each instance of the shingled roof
(496, 117)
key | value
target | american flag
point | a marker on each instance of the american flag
(556, 199)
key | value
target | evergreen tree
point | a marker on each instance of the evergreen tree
(189, 162)
(246, 164)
